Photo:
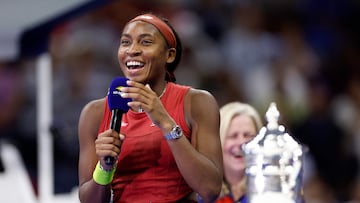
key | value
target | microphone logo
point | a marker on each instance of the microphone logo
(116, 91)
(115, 99)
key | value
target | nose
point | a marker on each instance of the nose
(241, 139)
(133, 49)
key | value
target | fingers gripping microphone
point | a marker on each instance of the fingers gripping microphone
(118, 107)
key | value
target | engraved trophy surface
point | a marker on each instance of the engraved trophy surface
(274, 162)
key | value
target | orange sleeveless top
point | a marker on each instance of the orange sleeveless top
(146, 170)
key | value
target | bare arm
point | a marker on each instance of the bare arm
(201, 161)
(89, 122)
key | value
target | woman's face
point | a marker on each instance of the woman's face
(143, 53)
(241, 130)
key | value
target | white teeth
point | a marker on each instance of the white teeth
(238, 153)
(134, 63)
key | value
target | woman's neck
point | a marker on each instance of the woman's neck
(236, 183)
(163, 92)
(238, 190)
(159, 87)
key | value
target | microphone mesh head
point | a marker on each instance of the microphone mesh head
(115, 101)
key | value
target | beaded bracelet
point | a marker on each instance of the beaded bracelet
(101, 176)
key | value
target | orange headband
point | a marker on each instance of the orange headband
(164, 29)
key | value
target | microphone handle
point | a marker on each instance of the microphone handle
(115, 124)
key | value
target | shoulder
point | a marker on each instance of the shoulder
(91, 115)
(94, 107)
(199, 102)
(201, 96)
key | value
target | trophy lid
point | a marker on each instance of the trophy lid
(272, 138)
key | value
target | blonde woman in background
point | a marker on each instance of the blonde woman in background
(239, 124)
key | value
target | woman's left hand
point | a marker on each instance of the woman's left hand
(144, 98)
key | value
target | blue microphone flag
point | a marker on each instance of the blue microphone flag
(115, 101)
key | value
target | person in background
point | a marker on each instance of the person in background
(239, 124)
(169, 148)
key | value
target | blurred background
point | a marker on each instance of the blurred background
(302, 54)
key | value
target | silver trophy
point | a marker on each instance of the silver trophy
(274, 164)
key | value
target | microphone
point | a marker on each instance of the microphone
(118, 107)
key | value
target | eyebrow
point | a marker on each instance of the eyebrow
(141, 36)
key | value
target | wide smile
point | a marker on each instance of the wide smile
(237, 153)
(132, 65)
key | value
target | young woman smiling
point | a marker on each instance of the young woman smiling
(169, 147)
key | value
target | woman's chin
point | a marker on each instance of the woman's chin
(239, 164)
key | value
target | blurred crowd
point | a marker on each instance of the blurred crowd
(302, 54)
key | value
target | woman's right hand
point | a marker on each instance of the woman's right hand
(108, 144)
